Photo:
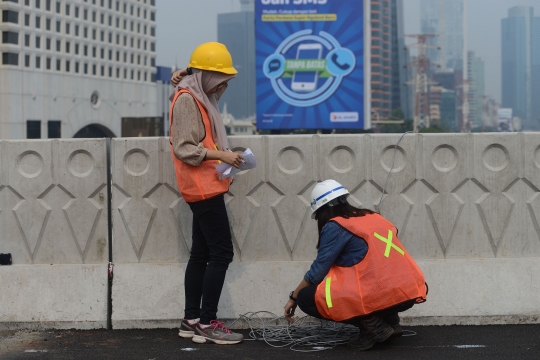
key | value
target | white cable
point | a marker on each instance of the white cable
(391, 169)
(306, 334)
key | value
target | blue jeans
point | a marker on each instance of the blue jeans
(211, 254)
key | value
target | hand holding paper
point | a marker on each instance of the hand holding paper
(225, 170)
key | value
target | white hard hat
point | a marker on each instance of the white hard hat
(324, 192)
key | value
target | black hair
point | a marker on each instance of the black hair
(343, 209)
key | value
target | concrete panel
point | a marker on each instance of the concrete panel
(53, 199)
(55, 296)
(146, 224)
(147, 295)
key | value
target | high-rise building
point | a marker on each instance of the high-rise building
(75, 67)
(237, 32)
(388, 59)
(444, 18)
(475, 69)
(521, 65)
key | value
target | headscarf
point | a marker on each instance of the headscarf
(198, 85)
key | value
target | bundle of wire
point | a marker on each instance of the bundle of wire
(306, 334)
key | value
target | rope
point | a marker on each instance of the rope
(306, 334)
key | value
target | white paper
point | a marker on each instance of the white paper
(225, 170)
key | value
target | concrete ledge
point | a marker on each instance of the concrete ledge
(147, 296)
(53, 296)
(462, 292)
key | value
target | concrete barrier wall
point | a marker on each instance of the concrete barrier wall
(467, 207)
(53, 220)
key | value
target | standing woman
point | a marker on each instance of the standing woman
(362, 274)
(198, 143)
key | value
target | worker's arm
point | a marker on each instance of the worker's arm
(290, 306)
(228, 157)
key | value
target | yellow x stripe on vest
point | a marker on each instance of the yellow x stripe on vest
(389, 244)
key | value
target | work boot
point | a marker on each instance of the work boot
(393, 321)
(373, 330)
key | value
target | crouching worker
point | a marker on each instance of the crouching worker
(362, 274)
(198, 142)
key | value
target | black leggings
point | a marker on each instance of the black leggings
(306, 303)
(211, 254)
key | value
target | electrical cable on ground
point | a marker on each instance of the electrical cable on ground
(306, 334)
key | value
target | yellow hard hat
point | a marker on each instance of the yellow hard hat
(212, 56)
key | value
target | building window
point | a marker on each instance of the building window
(38, 62)
(27, 40)
(33, 129)
(10, 16)
(152, 31)
(153, 47)
(85, 14)
(38, 4)
(94, 52)
(67, 28)
(110, 38)
(67, 9)
(38, 42)
(94, 34)
(110, 54)
(68, 65)
(103, 36)
(58, 45)
(76, 49)
(118, 73)
(48, 63)
(85, 32)
(102, 70)
(103, 53)
(48, 24)
(102, 18)
(26, 2)
(10, 37)
(153, 62)
(110, 71)
(58, 26)
(85, 50)
(38, 22)
(132, 57)
(58, 5)
(76, 30)
(153, 16)
(94, 71)
(68, 47)
(77, 67)
(58, 65)
(48, 5)
(86, 68)
(93, 16)
(27, 20)
(76, 11)
(118, 6)
(27, 60)
(54, 129)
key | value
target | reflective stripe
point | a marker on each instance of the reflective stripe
(389, 244)
(331, 191)
(328, 296)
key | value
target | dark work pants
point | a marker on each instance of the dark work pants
(306, 303)
(211, 254)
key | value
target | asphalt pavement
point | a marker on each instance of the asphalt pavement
(445, 342)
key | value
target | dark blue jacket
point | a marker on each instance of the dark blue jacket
(338, 246)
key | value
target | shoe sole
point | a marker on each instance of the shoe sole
(204, 340)
(186, 334)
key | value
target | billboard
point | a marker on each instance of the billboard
(505, 120)
(312, 65)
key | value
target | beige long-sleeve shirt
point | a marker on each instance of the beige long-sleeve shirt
(188, 131)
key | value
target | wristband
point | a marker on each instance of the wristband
(291, 296)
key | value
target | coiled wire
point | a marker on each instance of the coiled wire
(306, 334)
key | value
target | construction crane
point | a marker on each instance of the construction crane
(422, 80)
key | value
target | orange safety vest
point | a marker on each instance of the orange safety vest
(201, 182)
(387, 275)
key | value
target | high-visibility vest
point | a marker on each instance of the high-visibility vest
(201, 182)
(387, 275)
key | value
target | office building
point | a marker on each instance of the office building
(237, 32)
(388, 60)
(475, 69)
(444, 18)
(75, 68)
(521, 65)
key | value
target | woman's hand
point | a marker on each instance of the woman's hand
(177, 76)
(231, 158)
(290, 307)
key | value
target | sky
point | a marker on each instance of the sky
(184, 24)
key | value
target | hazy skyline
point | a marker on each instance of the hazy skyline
(184, 24)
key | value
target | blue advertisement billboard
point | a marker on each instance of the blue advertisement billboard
(311, 64)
